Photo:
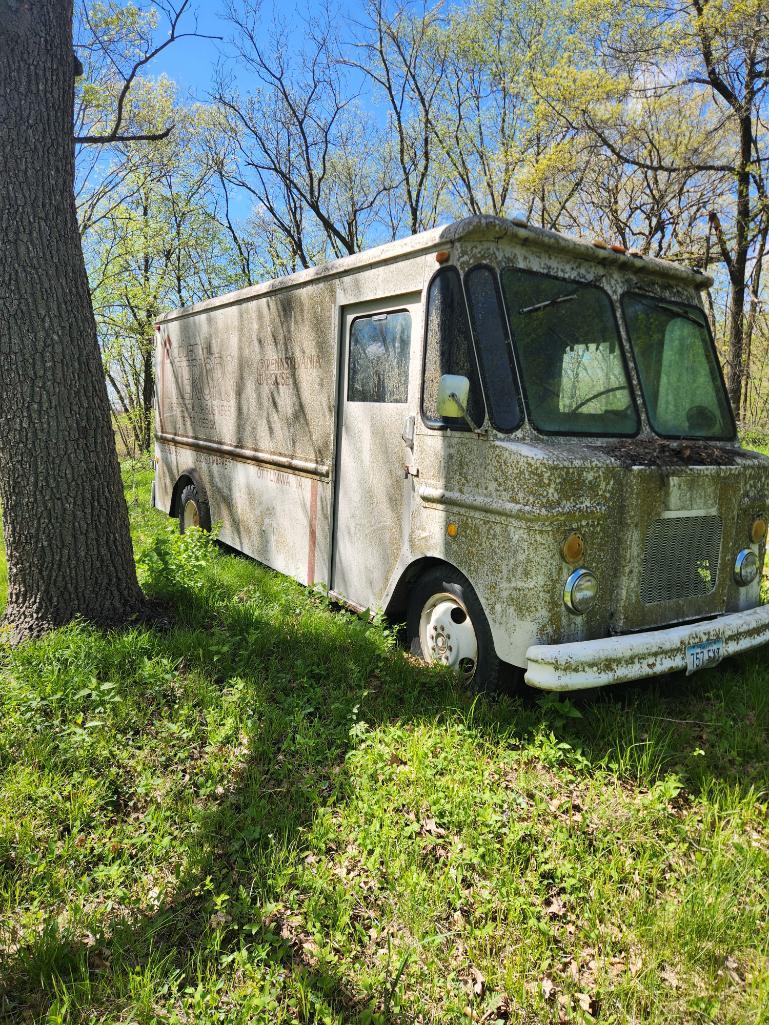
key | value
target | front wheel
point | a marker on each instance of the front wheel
(446, 624)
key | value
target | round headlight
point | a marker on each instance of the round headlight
(746, 567)
(580, 591)
(758, 530)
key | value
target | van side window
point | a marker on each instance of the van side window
(449, 350)
(495, 352)
(379, 358)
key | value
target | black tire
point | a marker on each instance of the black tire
(193, 508)
(490, 673)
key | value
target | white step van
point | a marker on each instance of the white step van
(519, 442)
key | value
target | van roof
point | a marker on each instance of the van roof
(478, 228)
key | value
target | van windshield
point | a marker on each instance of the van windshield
(678, 368)
(570, 356)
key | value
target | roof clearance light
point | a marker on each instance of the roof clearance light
(443, 256)
(600, 244)
(618, 249)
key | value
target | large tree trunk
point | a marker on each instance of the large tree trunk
(64, 515)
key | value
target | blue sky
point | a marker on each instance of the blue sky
(190, 62)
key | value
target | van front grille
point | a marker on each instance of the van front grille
(681, 556)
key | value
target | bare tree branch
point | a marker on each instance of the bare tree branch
(174, 14)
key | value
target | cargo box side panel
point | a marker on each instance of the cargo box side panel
(245, 400)
(276, 516)
(257, 375)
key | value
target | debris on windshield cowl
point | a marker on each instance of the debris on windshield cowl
(650, 452)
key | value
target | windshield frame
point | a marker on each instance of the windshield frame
(632, 385)
(653, 299)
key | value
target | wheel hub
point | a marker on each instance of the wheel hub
(191, 515)
(447, 634)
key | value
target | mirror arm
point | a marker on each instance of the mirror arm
(480, 431)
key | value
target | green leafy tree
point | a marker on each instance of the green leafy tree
(162, 247)
(706, 62)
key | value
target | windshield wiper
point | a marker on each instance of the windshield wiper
(548, 302)
(679, 312)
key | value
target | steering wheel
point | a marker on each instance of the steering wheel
(700, 418)
(598, 394)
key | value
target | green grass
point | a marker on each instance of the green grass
(266, 813)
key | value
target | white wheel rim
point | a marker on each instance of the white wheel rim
(447, 635)
(191, 514)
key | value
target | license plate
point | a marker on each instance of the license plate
(703, 654)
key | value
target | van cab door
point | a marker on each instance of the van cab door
(372, 494)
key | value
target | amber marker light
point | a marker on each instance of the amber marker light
(573, 549)
(452, 530)
(442, 256)
(758, 530)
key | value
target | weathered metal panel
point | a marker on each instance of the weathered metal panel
(371, 489)
(246, 396)
(256, 376)
(250, 503)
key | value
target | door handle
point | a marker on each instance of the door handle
(408, 432)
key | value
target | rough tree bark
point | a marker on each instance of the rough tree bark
(64, 515)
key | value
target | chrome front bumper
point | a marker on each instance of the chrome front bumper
(584, 664)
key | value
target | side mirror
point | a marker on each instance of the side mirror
(453, 385)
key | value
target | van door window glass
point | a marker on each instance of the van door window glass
(571, 359)
(379, 358)
(678, 368)
(495, 353)
(449, 350)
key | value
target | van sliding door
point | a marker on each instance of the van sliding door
(370, 487)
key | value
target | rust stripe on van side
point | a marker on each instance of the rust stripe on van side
(313, 539)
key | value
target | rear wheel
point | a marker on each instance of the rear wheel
(446, 624)
(193, 510)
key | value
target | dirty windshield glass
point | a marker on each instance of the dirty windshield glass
(570, 356)
(679, 373)
(494, 352)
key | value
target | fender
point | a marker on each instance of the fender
(397, 594)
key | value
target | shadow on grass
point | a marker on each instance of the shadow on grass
(307, 685)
